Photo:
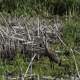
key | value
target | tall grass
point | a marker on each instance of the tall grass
(40, 7)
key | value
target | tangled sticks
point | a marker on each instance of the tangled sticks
(28, 36)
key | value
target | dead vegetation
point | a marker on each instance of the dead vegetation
(28, 35)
